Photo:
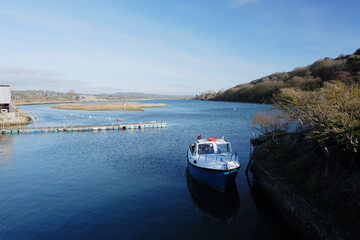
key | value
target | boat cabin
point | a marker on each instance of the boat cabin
(210, 146)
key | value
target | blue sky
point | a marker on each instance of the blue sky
(167, 46)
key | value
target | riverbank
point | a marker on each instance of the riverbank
(319, 197)
(109, 106)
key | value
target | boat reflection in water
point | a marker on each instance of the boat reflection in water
(220, 205)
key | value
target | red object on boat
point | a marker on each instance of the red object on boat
(199, 137)
(118, 119)
(212, 139)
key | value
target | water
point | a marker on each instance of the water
(129, 184)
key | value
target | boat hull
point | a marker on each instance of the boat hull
(222, 206)
(220, 180)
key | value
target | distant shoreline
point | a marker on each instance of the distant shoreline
(109, 106)
(45, 102)
(98, 100)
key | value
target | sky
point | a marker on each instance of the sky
(183, 47)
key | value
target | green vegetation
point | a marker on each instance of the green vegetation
(313, 77)
(330, 117)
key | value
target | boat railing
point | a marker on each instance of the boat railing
(233, 156)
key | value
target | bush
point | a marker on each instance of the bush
(300, 72)
(326, 67)
(304, 83)
(357, 52)
(271, 123)
(353, 64)
(330, 116)
(341, 75)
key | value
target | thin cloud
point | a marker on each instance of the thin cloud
(21, 78)
(240, 3)
(30, 79)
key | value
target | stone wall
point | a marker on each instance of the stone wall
(304, 218)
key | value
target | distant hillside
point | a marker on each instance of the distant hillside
(37, 93)
(345, 68)
(38, 96)
(47, 96)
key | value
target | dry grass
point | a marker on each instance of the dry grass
(109, 106)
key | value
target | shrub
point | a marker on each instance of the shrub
(357, 52)
(341, 75)
(264, 92)
(311, 84)
(271, 123)
(326, 67)
(330, 116)
(301, 72)
(304, 83)
(353, 64)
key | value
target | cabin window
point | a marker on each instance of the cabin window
(192, 147)
(206, 148)
(223, 148)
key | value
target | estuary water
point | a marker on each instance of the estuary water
(129, 184)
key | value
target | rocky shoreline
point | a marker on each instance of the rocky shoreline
(14, 119)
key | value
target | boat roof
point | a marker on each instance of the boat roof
(212, 140)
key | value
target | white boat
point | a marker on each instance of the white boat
(212, 162)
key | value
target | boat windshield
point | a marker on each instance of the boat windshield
(223, 148)
(206, 148)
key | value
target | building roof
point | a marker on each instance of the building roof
(4, 85)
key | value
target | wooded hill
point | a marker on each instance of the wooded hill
(345, 68)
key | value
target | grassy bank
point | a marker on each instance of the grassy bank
(333, 187)
(109, 106)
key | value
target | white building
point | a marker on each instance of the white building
(5, 98)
